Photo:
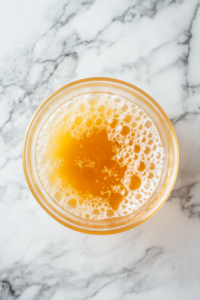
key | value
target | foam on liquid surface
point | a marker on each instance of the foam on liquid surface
(99, 156)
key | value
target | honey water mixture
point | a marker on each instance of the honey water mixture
(99, 156)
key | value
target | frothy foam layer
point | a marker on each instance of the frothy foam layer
(99, 156)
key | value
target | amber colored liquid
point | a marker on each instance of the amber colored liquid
(97, 159)
(84, 162)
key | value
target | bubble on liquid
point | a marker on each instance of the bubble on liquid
(72, 203)
(58, 196)
(135, 182)
(148, 124)
(137, 148)
(78, 120)
(147, 150)
(142, 166)
(150, 175)
(114, 123)
(152, 166)
(140, 151)
(89, 122)
(101, 108)
(125, 130)
(93, 99)
(99, 121)
(128, 119)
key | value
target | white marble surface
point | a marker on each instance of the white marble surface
(152, 44)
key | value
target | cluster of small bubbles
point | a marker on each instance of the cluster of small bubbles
(141, 150)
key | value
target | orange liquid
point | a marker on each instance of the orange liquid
(84, 162)
(98, 159)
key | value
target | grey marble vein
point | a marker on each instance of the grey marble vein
(152, 44)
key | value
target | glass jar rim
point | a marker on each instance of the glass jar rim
(84, 225)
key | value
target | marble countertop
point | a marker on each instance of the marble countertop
(152, 44)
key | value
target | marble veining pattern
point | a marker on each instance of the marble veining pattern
(152, 44)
